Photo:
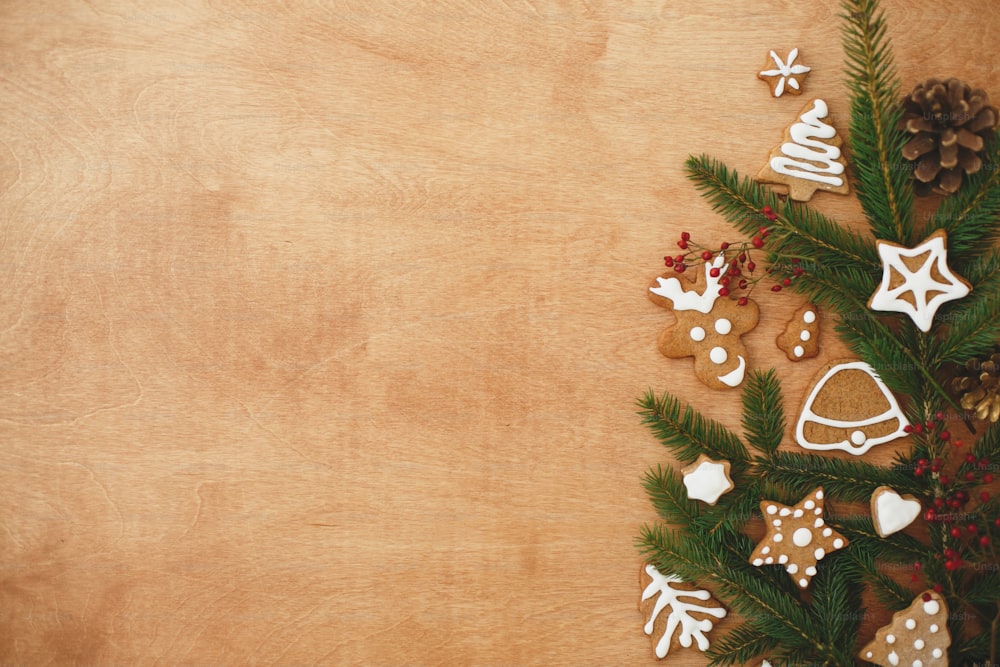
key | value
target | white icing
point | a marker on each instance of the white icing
(890, 639)
(858, 438)
(718, 355)
(778, 537)
(769, 560)
(820, 157)
(792, 568)
(697, 334)
(766, 550)
(804, 336)
(691, 630)
(937, 653)
(931, 607)
(893, 659)
(934, 627)
(918, 663)
(910, 624)
(784, 511)
(671, 288)
(868, 654)
(811, 571)
(893, 513)
(783, 558)
(707, 482)
(803, 582)
(809, 504)
(919, 644)
(838, 543)
(809, 317)
(723, 326)
(819, 553)
(827, 532)
(784, 70)
(797, 513)
(776, 522)
(818, 510)
(735, 377)
(808, 415)
(918, 283)
(772, 509)
(819, 523)
(758, 562)
(819, 494)
(798, 350)
(802, 537)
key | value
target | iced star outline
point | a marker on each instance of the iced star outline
(784, 521)
(888, 299)
(786, 71)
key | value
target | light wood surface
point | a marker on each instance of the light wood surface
(322, 323)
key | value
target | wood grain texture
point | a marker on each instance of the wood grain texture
(322, 323)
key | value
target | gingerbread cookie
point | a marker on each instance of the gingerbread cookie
(892, 512)
(810, 158)
(797, 537)
(688, 612)
(917, 636)
(917, 281)
(708, 326)
(707, 480)
(849, 408)
(800, 339)
(783, 76)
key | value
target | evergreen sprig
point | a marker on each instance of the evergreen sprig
(687, 433)
(850, 480)
(763, 417)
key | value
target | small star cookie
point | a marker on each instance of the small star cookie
(784, 76)
(707, 480)
(797, 537)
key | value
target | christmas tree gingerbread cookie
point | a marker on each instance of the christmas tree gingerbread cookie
(810, 158)
(708, 326)
(917, 636)
(800, 339)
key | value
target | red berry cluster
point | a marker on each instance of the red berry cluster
(739, 275)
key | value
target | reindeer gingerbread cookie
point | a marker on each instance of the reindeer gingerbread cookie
(708, 327)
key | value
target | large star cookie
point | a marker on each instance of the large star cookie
(797, 537)
(917, 281)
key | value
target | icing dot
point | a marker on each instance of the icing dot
(819, 494)
(792, 568)
(766, 550)
(931, 607)
(718, 355)
(868, 655)
(918, 663)
(893, 659)
(837, 543)
(919, 644)
(802, 537)
(818, 510)
(797, 514)
(758, 561)
(936, 653)
(818, 524)
(771, 509)
(890, 639)
(778, 537)
(803, 582)
(784, 511)
(910, 624)
(811, 571)
(809, 504)
(809, 317)
(805, 335)
(769, 560)
(782, 559)
(798, 350)
(858, 437)
(723, 326)
(934, 627)
(827, 532)
(818, 554)
(776, 522)
(697, 334)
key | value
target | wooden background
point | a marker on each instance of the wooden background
(322, 323)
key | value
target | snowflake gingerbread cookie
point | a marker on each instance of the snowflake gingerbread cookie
(917, 281)
(917, 636)
(784, 76)
(708, 326)
(810, 158)
(678, 617)
(797, 537)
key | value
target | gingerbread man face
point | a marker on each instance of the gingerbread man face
(708, 327)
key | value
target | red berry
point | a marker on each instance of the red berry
(743, 301)
(950, 553)
(950, 565)
(743, 284)
(984, 541)
(971, 528)
(682, 244)
(945, 480)
(914, 578)
(786, 282)
(735, 271)
(918, 428)
(996, 522)
(918, 471)
(714, 272)
(922, 462)
(939, 416)
(757, 242)
(955, 532)
(945, 435)
(926, 597)
(988, 478)
(771, 216)
(935, 468)
(685, 236)
(957, 442)
(668, 261)
(776, 288)
(726, 280)
(742, 257)
(969, 458)
(970, 476)
(938, 588)
(984, 497)
(751, 266)
(983, 463)
(929, 424)
(918, 566)
(907, 429)
(679, 268)
(939, 503)
(724, 246)
(930, 515)
(766, 209)
(723, 291)
(706, 255)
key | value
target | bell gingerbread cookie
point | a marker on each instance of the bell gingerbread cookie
(797, 537)
(892, 512)
(849, 408)
(679, 614)
(810, 158)
(917, 635)
(800, 339)
(708, 326)
(783, 76)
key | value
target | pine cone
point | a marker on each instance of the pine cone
(949, 123)
(978, 385)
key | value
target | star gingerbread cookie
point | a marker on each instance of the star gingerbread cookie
(708, 326)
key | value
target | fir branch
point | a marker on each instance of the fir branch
(988, 446)
(971, 216)
(740, 646)
(763, 414)
(688, 434)
(973, 323)
(984, 589)
(884, 189)
(850, 480)
(669, 497)
(898, 547)
(836, 607)
(886, 590)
